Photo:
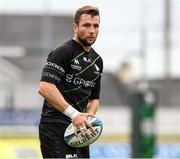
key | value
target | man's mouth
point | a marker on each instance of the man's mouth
(91, 37)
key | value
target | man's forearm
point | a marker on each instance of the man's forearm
(93, 106)
(53, 96)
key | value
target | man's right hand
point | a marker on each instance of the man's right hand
(80, 123)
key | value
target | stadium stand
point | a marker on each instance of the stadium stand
(19, 117)
(28, 31)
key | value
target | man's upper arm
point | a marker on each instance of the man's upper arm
(56, 66)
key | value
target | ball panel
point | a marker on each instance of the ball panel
(68, 138)
(80, 140)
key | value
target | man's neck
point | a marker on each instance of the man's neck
(86, 48)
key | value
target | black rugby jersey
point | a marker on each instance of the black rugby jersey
(77, 75)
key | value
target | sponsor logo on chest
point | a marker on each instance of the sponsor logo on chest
(86, 59)
(75, 65)
(70, 78)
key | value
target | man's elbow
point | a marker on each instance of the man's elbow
(43, 88)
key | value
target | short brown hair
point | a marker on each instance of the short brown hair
(93, 11)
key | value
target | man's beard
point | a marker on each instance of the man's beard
(85, 42)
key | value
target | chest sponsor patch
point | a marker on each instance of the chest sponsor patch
(76, 80)
(76, 66)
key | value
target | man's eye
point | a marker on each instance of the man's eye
(87, 25)
(96, 26)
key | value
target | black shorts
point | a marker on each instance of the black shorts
(52, 142)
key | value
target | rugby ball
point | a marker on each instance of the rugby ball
(80, 140)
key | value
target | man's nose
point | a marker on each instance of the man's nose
(92, 29)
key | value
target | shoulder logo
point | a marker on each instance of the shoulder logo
(97, 69)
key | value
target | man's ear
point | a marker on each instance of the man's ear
(75, 27)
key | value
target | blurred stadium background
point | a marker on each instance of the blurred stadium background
(138, 41)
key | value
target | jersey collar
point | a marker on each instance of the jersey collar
(80, 46)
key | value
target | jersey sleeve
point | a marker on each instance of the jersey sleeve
(95, 93)
(56, 66)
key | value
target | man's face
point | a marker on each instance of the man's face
(87, 29)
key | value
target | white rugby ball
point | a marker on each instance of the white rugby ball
(80, 140)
